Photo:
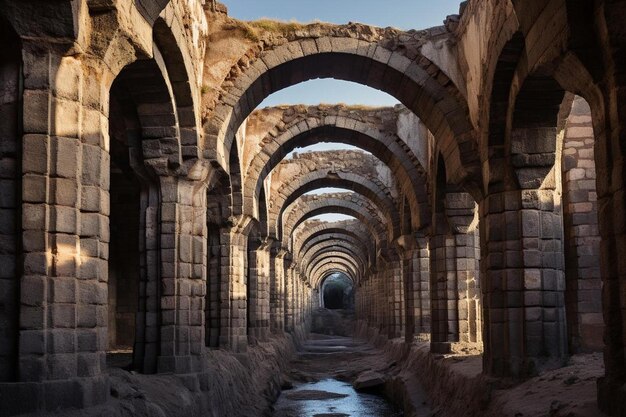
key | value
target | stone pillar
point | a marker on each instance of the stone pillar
(395, 297)
(277, 288)
(522, 266)
(315, 300)
(308, 294)
(214, 296)
(289, 297)
(183, 273)
(370, 307)
(64, 233)
(258, 292)
(421, 288)
(234, 294)
(298, 303)
(296, 300)
(415, 276)
(369, 299)
(147, 318)
(381, 300)
(454, 275)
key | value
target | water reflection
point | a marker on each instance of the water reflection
(354, 404)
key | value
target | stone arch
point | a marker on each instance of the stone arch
(354, 230)
(333, 261)
(153, 102)
(182, 79)
(406, 222)
(339, 239)
(332, 291)
(144, 146)
(337, 256)
(150, 9)
(327, 270)
(340, 252)
(323, 125)
(11, 130)
(335, 246)
(415, 81)
(356, 183)
(499, 175)
(235, 179)
(342, 203)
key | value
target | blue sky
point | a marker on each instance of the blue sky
(403, 14)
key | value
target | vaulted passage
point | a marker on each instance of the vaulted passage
(175, 242)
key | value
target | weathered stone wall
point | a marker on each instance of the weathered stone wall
(582, 237)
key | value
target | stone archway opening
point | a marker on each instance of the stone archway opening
(124, 230)
(139, 114)
(337, 292)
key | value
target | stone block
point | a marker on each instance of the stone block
(63, 315)
(87, 340)
(32, 342)
(61, 395)
(87, 364)
(36, 105)
(61, 341)
(66, 119)
(67, 83)
(62, 366)
(92, 162)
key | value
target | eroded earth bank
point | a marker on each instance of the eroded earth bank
(343, 368)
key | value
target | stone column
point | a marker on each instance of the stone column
(277, 288)
(522, 266)
(416, 288)
(258, 292)
(64, 233)
(234, 298)
(454, 275)
(183, 274)
(421, 288)
(368, 298)
(395, 297)
(298, 303)
(315, 299)
(381, 300)
(214, 296)
(308, 294)
(289, 297)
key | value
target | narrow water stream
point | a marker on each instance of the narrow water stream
(331, 398)
(318, 374)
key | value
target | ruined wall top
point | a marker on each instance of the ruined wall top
(233, 45)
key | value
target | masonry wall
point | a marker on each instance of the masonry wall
(582, 236)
